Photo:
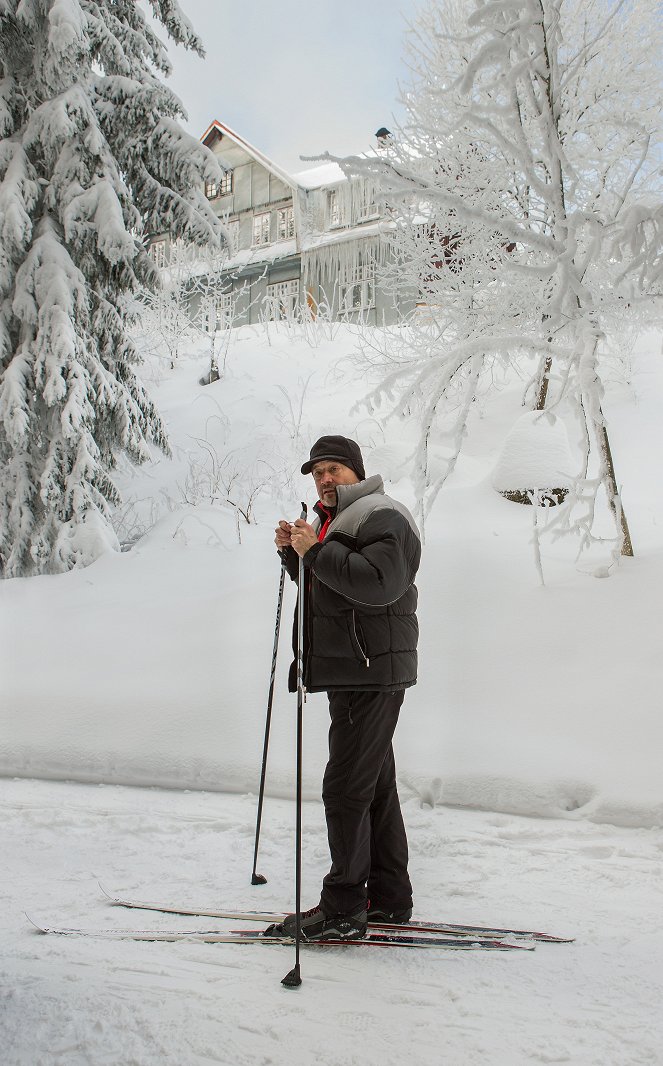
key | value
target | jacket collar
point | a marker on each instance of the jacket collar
(347, 494)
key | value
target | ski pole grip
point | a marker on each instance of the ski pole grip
(304, 511)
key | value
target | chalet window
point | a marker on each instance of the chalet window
(224, 187)
(334, 208)
(261, 228)
(226, 184)
(286, 223)
(366, 208)
(359, 294)
(282, 299)
(157, 251)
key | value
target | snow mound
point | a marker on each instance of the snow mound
(535, 455)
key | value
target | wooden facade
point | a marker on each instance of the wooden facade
(307, 243)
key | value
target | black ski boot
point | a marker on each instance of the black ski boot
(378, 914)
(316, 925)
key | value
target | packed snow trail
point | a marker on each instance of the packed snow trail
(69, 1001)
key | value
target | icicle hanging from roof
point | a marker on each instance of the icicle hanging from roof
(337, 251)
(344, 260)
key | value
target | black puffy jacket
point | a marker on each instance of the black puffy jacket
(360, 622)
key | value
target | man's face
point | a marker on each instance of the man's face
(327, 475)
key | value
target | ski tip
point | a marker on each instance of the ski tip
(105, 892)
(293, 978)
(35, 925)
(258, 879)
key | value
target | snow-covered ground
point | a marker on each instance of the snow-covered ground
(538, 706)
(73, 1002)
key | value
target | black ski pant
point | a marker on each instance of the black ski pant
(364, 821)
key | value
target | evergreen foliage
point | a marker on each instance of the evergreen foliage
(92, 157)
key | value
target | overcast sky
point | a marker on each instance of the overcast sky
(294, 77)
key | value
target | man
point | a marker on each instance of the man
(360, 555)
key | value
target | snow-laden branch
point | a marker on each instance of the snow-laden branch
(524, 190)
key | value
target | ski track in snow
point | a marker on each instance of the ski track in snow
(70, 1002)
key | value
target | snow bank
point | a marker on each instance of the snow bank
(151, 667)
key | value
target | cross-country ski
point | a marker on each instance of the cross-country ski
(253, 936)
(417, 925)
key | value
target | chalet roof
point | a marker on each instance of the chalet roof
(225, 131)
(313, 178)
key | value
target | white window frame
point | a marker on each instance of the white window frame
(262, 225)
(222, 187)
(359, 293)
(368, 212)
(282, 299)
(285, 228)
(157, 252)
(334, 208)
(225, 186)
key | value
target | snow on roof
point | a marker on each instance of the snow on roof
(311, 241)
(315, 177)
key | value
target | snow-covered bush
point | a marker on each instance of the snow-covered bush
(91, 158)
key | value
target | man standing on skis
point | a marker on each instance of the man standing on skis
(361, 555)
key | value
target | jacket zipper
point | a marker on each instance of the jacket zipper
(359, 643)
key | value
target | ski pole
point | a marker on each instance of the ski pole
(293, 978)
(256, 878)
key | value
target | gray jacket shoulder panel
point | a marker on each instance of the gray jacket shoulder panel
(350, 520)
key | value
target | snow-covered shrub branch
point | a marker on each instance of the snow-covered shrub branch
(92, 157)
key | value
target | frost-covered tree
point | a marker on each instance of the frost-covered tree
(92, 157)
(525, 189)
(165, 310)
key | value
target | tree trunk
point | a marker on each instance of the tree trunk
(613, 492)
(542, 391)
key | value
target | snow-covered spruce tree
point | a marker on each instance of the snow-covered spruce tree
(525, 188)
(91, 157)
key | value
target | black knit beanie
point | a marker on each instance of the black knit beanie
(342, 449)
